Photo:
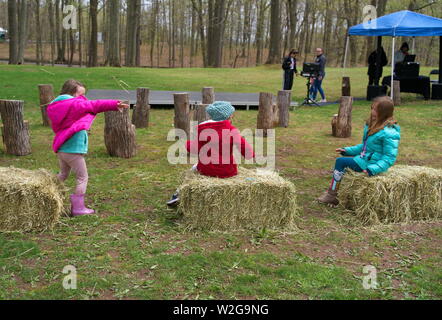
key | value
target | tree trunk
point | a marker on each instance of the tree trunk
(52, 30)
(346, 88)
(343, 124)
(265, 112)
(140, 115)
(22, 30)
(46, 96)
(93, 44)
(119, 134)
(275, 34)
(208, 95)
(113, 35)
(283, 101)
(13, 32)
(215, 34)
(182, 111)
(396, 92)
(199, 113)
(15, 132)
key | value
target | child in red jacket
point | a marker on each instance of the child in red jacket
(214, 145)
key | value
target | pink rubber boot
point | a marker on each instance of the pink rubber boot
(77, 206)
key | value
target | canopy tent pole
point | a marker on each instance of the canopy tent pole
(412, 46)
(440, 59)
(392, 66)
(345, 52)
(378, 60)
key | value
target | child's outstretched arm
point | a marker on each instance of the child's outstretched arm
(98, 106)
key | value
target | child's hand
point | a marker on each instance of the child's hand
(340, 150)
(365, 171)
(122, 106)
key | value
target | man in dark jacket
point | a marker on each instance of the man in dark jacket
(289, 66)
(373, 76)
(317, 81)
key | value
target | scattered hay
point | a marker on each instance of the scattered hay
(30, 201)
(402, 195)
(254, 199)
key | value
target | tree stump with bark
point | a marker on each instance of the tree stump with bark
(283, 102)
(346, 87)
(208, 95)
(343, 122)
(15, 131)
(199, 113)
(46, 93)
(396, 92)
(334, 123)
(182, 112)
(265, 112)
(140, 115)
(119, 134)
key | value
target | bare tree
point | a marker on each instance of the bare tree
(13, 32)
(275, 33)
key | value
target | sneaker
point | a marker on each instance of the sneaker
(174, 201)
(323, 101)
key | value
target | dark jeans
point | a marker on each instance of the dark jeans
(288, 79)
(347, 162)
(317, 86)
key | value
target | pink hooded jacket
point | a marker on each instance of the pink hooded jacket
(73, 115)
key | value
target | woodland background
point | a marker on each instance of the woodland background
(196, 33)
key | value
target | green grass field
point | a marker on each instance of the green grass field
(135, 248)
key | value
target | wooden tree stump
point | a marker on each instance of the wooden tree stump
(119, 134)
(208, 95)
(343, 123)
(283, 101)
(334, 123)
(182, 112)
(275, 111)
(140, 115)
(46, 96)
(396, 92)
(199, 113)
(265, 112)
(346, 88)
(15, 131)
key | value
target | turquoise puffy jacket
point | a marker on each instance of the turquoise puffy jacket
(381, 151)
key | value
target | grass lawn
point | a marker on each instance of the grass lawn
(135, 248)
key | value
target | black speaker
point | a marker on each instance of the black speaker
(406, 70)
(436, 92)
(376, 91)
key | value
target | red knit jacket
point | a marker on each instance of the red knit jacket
(214, 146)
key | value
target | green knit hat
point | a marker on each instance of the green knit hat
(220, 110)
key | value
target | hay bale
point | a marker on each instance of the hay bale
(30, 201)
(254, 199)
(402, 195)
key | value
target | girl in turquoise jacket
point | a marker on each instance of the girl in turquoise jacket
(377, 152)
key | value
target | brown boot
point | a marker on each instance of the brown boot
(329, 197)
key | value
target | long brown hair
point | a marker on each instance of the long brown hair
(384, 107)
(70, 87)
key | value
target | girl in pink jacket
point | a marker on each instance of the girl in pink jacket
(71, 114)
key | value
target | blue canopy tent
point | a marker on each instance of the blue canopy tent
(402, 23)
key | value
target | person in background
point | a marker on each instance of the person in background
(317, 81)
(399, 56)
(289, 67)
(373, 77)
